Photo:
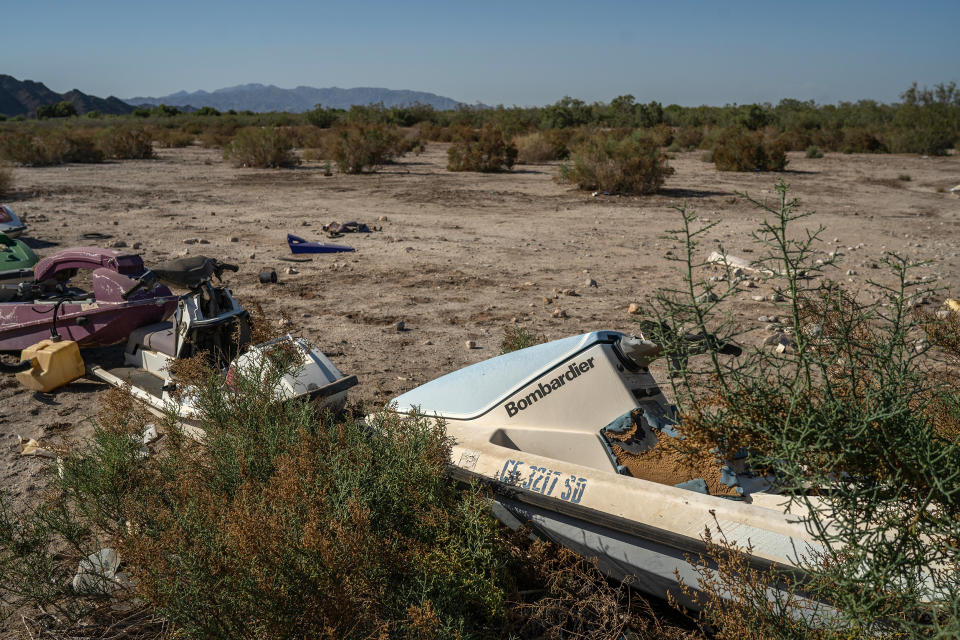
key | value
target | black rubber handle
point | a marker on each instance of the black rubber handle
(15, 368)
(229, 267)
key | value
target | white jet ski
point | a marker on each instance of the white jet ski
(548, 429)
(208, 319)
(10, 224)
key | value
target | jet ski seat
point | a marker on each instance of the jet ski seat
(158, 337)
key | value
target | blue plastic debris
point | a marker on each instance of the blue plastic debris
(620, 425)
(697, 484)
(728, 476)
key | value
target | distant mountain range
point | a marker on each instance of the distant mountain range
(22, 97)
(258, 97)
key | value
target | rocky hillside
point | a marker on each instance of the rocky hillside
(23, 97)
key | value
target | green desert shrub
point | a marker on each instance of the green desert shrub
(855, 421)
(743, 150)
(263, 147)
(6, 179)
(220, 132)
(46, 147)
(283, 524)
(796, 139)
(61, 109)
(534, 148)
(688, 138)
(932, 136)
(323, 118)
(432, 132)
(126, 143)
(485, 150)
(624, 166)
(860, 140)
(813, 151)
(173, 138)
(661, 134)
(364, 147)
(928, 120)
(517, 337)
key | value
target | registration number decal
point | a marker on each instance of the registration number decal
(542, 480)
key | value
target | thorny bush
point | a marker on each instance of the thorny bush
(855, 423)
(264, 147)
(485, 150)
(624, 166)
(281, 523)
(364, 147)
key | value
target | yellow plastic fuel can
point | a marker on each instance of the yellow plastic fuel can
(55, 363)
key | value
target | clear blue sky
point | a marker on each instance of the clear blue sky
(524, 53)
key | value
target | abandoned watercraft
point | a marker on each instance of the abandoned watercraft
(16, 260)
(209, 320)
(10, 224)
(47, 304)
(561, 433)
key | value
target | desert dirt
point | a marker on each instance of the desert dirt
(460, 257)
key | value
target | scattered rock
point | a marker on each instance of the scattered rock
(137, 246)
(470, 344)
(546, 300)
(117, 244)
(813, 330)
(408, 249)
(851, 272)
(780, 340)
(386, 219)
(400, 326)
(290, 271)
(559, 313)
(633, 309)
(427, 343)
(569, 292)
(234, 239)
(284, 322)
(191, 241)
(709, 296)
(758, 298)
(590, 282)
(204, 241)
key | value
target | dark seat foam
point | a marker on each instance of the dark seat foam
(158, 337)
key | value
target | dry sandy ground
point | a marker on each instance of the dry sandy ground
(461, 255)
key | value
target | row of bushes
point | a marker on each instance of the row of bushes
(926, 120)
(620, 161)
(71, 144)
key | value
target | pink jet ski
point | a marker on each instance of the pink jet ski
(125, 295)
